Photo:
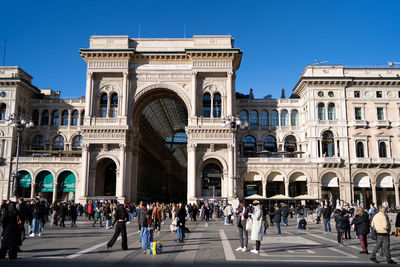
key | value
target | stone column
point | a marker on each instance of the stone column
(264, 188)
(121, 177)
(55, 185)
(108, 106)
(84, 177)
(286, 188)
(336, 154)
(396, 194)
(194, 94)
(89, 96)
(191, 175)
(33, 187)
(230, 171)
(125, 96)
(229, 94)
(373, 186)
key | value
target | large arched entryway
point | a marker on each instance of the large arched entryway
(66, 186)
(24, 184)
(44, 185)
(160, 117)
(211, 181)
(330, 192)
(275, 184)
(106, 174)
(362, 189)
(385, 193)
(252, 184)
(298, 185)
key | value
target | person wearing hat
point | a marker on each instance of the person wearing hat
(257, 229)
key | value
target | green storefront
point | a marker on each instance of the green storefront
(24, 184)
(66, 186)
(44, 185)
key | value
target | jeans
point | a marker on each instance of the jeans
(179, 232)
(243, 235)
(108, 223)
(384, 242)
(36, 225)
(285, 220)
(327, 225)
(142, 230)
(129, 216)
(226, 219)
(278, 226)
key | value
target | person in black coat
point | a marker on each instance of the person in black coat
(73, 214)
(121, 217)
(397, 224)
(361, 222)
(63, 214)
(277, 219)
(285, 214)
(181, 223)
(340, 225)
(10, 237)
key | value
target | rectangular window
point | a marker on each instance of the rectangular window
(357, 113)
(378, 94)
(357, 94)
(379, 113)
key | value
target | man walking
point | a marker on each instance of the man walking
(326, 214)
(381, 223)
(285, 214)
(277, 219)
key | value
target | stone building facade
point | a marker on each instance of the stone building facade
(153, 125)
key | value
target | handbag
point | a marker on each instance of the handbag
(373, 234)
(249, 224)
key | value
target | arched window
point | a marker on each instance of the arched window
(114, 105)
(55, 118)
(244, 116)
(58, 143)
(290, 143)
(3, 109)
(38, 143)
(77, 143)
(284, 118)
(264, 118)
(207, 105)
(249, 145)
(274, 118)
(103, 105)
(382, 150)
(64, 118)
(359, 149)
(217, 106)
(331, 112)
(253, 118)
(211, 180)
(328, 149)
(35, 117)
(270, 144)
(45, 117)
(75, 117)
(321, 111)
(294, 117)
(82, 117)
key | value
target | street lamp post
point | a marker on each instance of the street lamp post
(234, 124)
(19, 123)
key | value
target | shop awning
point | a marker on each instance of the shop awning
(255, 197)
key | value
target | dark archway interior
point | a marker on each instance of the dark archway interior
(162, 162)
(106, 178)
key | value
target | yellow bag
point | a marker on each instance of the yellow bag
(156, 248)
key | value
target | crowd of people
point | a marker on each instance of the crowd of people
(251, 219)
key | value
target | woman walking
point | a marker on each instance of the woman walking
(257, 229)
(181, 223)
(121, 217)
(97, 216)
(340, 226)
(361, 222)
(11, 237)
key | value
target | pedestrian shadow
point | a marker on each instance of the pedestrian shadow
(178, 251)
(47, 250)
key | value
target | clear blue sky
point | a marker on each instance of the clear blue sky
(278, 38)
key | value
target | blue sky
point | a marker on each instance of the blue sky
(278, 38)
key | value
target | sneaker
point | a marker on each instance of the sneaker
(40, 234)
(278, 235)
(239, 249)
(254, 251)
(244, 249)
(32, 235)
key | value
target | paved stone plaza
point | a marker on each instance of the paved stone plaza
(213, 244)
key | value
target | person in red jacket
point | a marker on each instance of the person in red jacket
(90, 211)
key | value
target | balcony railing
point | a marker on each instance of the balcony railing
(382, 123)
(361, 123)
(274, 160)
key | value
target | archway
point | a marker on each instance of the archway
(106, 177)
(362, 189)
(160, 117)
(330, 189)
(211, 181)
(44, 185)
(252, 184)
(298, 184)
(385, 193)
(275, 184)
(24, 184)
(66, 186)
